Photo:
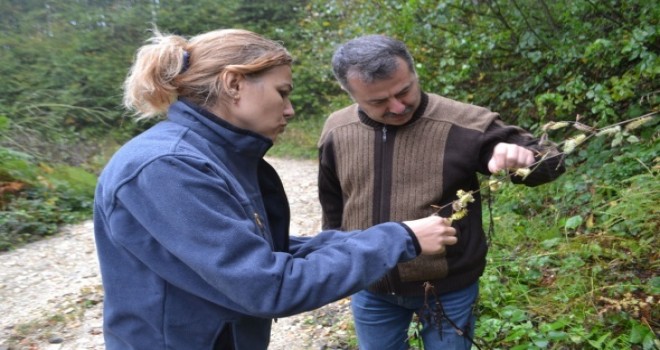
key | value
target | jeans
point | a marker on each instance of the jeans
(382, 321)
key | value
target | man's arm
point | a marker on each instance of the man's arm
(330, 193)
(510, 148)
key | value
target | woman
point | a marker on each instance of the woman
(191, 223)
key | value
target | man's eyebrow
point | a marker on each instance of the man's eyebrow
(375, 100)
(405, 88)
(380, 99)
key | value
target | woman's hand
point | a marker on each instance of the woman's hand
(433, 233)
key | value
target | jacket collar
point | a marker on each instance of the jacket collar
(217, 130)
(423, 103)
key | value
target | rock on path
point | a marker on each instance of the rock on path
(51, 296)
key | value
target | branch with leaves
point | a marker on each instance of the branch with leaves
(619, 131)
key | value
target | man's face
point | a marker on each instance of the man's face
(391, 101)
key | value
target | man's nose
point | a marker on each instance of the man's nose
(396, 106)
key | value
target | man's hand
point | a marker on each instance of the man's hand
(433, 233)
(507, 156)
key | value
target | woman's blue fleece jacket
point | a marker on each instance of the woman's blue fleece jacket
(191, 226)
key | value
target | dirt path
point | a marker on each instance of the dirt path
(51, 296)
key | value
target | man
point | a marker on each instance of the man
(399, 153)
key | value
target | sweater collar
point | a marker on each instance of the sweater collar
(423, 103)
(217, 130)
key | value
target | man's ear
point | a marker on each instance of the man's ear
(346, 90)
(350, 95)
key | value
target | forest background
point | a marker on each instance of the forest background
(573, 264)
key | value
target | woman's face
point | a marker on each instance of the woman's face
(263, 104)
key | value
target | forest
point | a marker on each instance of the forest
(573, 264)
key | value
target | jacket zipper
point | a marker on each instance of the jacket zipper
(257, 219)
(262, 229)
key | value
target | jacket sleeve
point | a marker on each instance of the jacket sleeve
(549, 162)
(329, 187)
(193, 232)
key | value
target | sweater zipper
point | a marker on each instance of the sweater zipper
(387, 281)
(383, 158)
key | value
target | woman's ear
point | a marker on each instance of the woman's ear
(232, 83)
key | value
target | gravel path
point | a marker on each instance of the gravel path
(51, 296)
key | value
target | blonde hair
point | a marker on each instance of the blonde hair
(160, 73)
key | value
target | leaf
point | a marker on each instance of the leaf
(573, 222)
(550, 243)
(650, 342)
(598, 343)
(557, 335)
(654, 284)
(636, 333)
(618, 138)
(541, 343)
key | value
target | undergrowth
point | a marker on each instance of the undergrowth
(36, 198)
(574, 264)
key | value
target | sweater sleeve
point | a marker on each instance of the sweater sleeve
(329, 187)
(184, 222)
(549, 164)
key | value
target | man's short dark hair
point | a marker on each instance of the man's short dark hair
(370, 57)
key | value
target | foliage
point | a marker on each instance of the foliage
(37, 198)
(64, 63)
(584, 244)
(532, 61)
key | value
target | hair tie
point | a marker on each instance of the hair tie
(186, 62)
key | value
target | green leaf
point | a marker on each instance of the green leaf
(650, 342)
(551, 243)
(654, 283)
(637, 333)
(598, 343)
(541, 343)
(573, 222)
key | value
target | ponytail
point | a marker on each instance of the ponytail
(150, 86)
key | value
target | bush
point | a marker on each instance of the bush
(583, 244)
(38, 198)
